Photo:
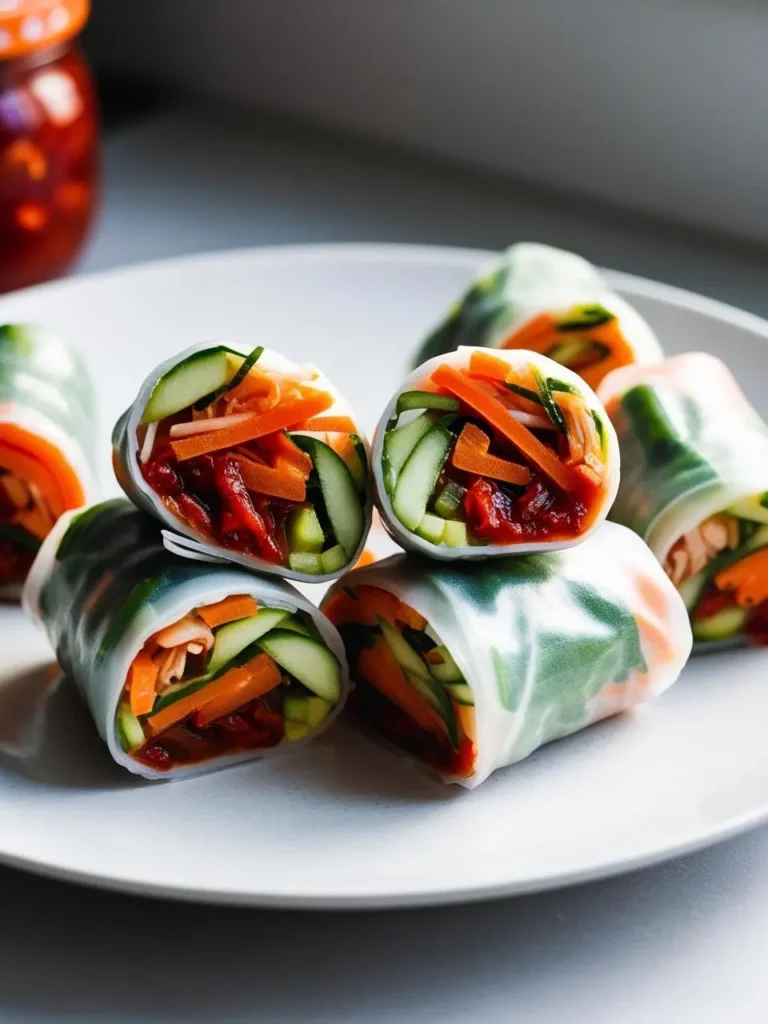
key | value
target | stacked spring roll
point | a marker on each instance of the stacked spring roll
(47, 419)
(248, 456)
(484, 454)
(185, 666)
(694, 485)
(471, 668)
(552, 302)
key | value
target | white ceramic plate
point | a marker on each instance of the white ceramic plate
(347, 824)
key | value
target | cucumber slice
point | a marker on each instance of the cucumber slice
(550, 405)
(357, 463)
(723, 624)
(691, 589)
(295, 625)
(342, 502)
(306, 562)
(588, 315)
(233, 638)
(296, 730)
(578, 352)
(317, 711)
(303, 531)
(419, 475)
(752, 508)
(404, 654)
(333, 559)
(188, 381)
(445, 671)
(129, 730)
(436, 695)
(306, 660)
(450, 500)
(240, 374)
(431, 528)
(455, 534)
(296, 708)
(426, 400)
(461, 693)
(398, 445)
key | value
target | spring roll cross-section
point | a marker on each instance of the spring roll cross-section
(470, 668)
(694, 486)
(184, 665)
(552, 302)
(483, 454)
(250, 457)
(47, 427)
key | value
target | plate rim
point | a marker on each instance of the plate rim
(388, 253)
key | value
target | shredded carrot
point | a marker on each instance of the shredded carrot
(378, 667)
(488, 367)
(280, 445)
(470, 454)
(368, 557)
(539, 329)
(264, 676)
(261, 669)
(375, 601)
(38, 461)
(497, 416)
(238, 606)
(410, 617)
(142, 678)
(282, 480)
(514, 401)
(329, 424)
(747, 579)
(257, 425)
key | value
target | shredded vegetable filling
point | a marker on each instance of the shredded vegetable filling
(494, 455)
(256, 461)
(408, 687)
(227, 677)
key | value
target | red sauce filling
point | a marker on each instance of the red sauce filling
(543, 512)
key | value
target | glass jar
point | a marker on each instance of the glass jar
(48, 140)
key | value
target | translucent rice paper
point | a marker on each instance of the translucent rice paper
(516, 359)
(549, 644)
(691, 445)
(103, 583)
(527, 280)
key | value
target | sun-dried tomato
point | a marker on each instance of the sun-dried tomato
(541, 512)
(195, 513)
(234, 494)
(162, 477)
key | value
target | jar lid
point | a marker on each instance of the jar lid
(28, 25)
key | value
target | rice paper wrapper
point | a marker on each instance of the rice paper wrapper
(516, 359)
(527, 280)
(549, 644)
(186, 541)
(691, 445)
(103, 583)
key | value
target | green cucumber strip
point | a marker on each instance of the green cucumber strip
(764, 500)
(578, 352)
(295, 625)
(455, 534)
(296, 708)
(406, 657)
(179, 690)
(303, 531)
(518, 389)
(450, 500)
(592, 315)
(357, 463)
(296, 730)
(550, 405)
(419, 475)
(334, 559)
(398, 445)
(307, 660)
(317, 711)
(129, 730)
(722, 625)
(461, 693)
(248, 363)
(306, 562)
(751, 508)
(235, 637)
(445, 671)
(560, 385)
(439, 699)
(692, 589)
(426, 400)
(431, 528)
(21, 538)
(188, 381)
(600, 428)
(342, 501)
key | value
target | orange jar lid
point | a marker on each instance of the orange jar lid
(29, 25)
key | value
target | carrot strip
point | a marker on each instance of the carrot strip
(280, 445)
(378, 667)
(410, 617)
(486, 366)
(330, 424)
(375, 601)
(341, 608)
(279, 481)
(257, 425)
(535, 334)
(238, 606)
(232, 681)
(470, 454)
(36, 460)
(142, 678)
(747, 579)
(497, 416)
(265, 676)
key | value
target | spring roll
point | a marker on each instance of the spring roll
(694, 486)
(484, 454)
(47, 426)
(184, 665)
(250, 457)
(470, 668)
(548, 301)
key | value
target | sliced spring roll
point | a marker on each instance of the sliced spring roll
(548, 301)
(47, 427)
(471, 668)
(694, 486)
(185, 665)
(483, 454)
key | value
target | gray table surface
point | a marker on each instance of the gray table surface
(684, 941)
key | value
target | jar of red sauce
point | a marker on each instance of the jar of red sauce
(48, 140)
